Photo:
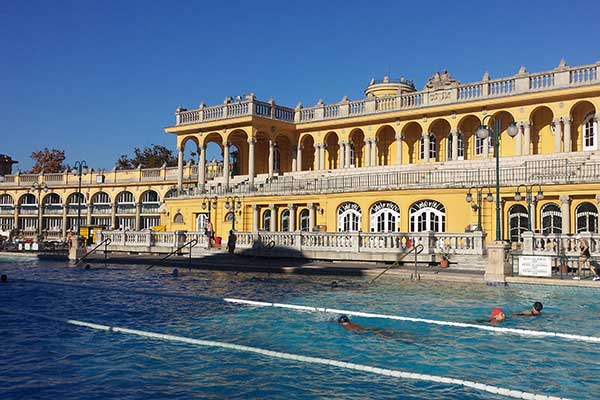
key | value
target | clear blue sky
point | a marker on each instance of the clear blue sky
(97, 78)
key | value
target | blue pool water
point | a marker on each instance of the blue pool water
(49, 359)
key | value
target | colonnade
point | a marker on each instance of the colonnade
(274, 210)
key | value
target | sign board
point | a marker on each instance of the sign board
(535, 266)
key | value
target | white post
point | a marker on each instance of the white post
(226, 165)
(292, 220)
(273, 225)
(180, 170)
(567, 130)
(255, 213)
(527, 127)
(251, 142)
(348, 148)
(399, 149)
(294, 158)
(426, 146)
(271, 157)
(299, 157)
(311, 216)
(202, 168)
(316, 162)
(367, 152)
(565, 201)
(557, 134)
(323, 161)
(342, 155)
(454, 145)
(374, 152)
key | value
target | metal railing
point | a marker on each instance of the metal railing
(105, 242)
(190, 243)
(418, 249)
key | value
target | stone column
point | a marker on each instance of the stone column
(180, 170)
(598, 201)
(486, 147)
(534, 204)
(323, 161)
(255, 215)
(271, 157)
(273, 225)
(113, 216)
(294, 158)
(64, 221)
(567, 130)
(454, 145)
(374, 152)
(316, 162)
(202, 168)
(527, 143)
(348, 148)
(342, 155)
(299, 157)
(292, 220)
(497, 268)
(137, 216)
(226, 165)
(565, 211)
(426, 147)
(519, 140)
(399, 149)
(367, 152)
(88, 217)
(251, 142)
(557, 134)
(311, 216)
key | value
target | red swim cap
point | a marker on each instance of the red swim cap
(497, 311)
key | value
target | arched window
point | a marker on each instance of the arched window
(551, 219)
(178, 219)
(479, 144)
(587, 217)
(52, 199)
(349, 217)
(28, 200)
(427, 215)
(125, 203)
(385, 217)
(266, 220)
(76, 198)
(150, 196)
(590, 132)
(171, 193)
(101, 198)
(461, 146)
(6, 200)
(304, 220)
(284, 224)
(518, 221)
(432, 147)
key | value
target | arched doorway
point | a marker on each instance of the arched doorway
(551, 219)
(385, 217)
(349, 217)
(586, 215)
(427, 216)
(518, 222)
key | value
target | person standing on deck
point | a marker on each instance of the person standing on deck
(210, 233)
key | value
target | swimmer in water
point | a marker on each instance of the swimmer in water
(345, 322)
(535, 311)
(497, 316)
(4, 278)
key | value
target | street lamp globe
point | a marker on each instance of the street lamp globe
(513, 129)
(540, 195)
(489, 197)
(518, 196)
(469, 197)
(227, 205)
(483, 132)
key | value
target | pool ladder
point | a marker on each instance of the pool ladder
(191, 244)
(105, 242)
(416, 250)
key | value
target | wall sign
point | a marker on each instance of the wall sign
(535, 266)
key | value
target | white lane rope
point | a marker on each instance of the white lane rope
(517, 394)
(522, 332)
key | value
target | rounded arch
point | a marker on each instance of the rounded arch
(149, 196)
(518, 222)
(412, 133)
(384, 216)
(27, 199)
(584, 127)
(284, 221)
(238, 151)
(266, 219)
(261, 152)
(542, 130)
(307, 149)
(349, 217)
(75, 197)
(125, 197)
(100, 198)
(332, 150)
(440, 128)
(551, 219)
(171, 193)
(190, 152)
(427, 215)
(184, 141)
(304, 220)
(282, 157)
(507, 143)
(586, 217)
(467, 126)
(6, 200)
(52, 199)
(356, 140)
(178, 218)
(386, 151)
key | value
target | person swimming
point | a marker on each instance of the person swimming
(345, 322)
(4, 278)
(497, 316)
(535, 310)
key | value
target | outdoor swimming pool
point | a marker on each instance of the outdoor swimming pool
(50, 358)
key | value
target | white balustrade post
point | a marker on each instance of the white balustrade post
(557, 134)
(567, 130)
(299, 157)
(292, 219)
(527, 237)
(226, 166)
(355, 241)
(180, 170)
(565, 203)
(255, 215)
(148, 239)
(202, 168)
(399, 149)
(527, 143)
(251, 142)
(374, 152)
(271, 157)
(273, 225)
(454, 145)
(598, 201)
(478, 242)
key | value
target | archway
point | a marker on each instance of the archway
(542, 132)
(238, 152)
(282, 159)
(349, 217)
(332, 150)
(518, 222)
(357, 148)
(308, 152)
(551, 219)
(584, 128)
(586, 215)
(384, 217)
(412, 133)
(427, 216)
(467, 127)
(440, 128)
(386, 151)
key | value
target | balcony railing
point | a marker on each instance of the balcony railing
(521, 83)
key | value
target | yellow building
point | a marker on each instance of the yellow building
(399, 160)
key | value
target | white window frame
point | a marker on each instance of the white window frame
(384, 218)
(590, 133)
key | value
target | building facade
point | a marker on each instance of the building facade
(398, 160)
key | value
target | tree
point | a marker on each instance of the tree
(148, 157)
(48, 161)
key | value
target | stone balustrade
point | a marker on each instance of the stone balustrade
(553, 244)
(521, 83)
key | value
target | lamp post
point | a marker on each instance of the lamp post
(529, 198)
(82, 169)
(233, 202)
(210, 203)
(484, 132)
(477, 205)
(39, 187)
